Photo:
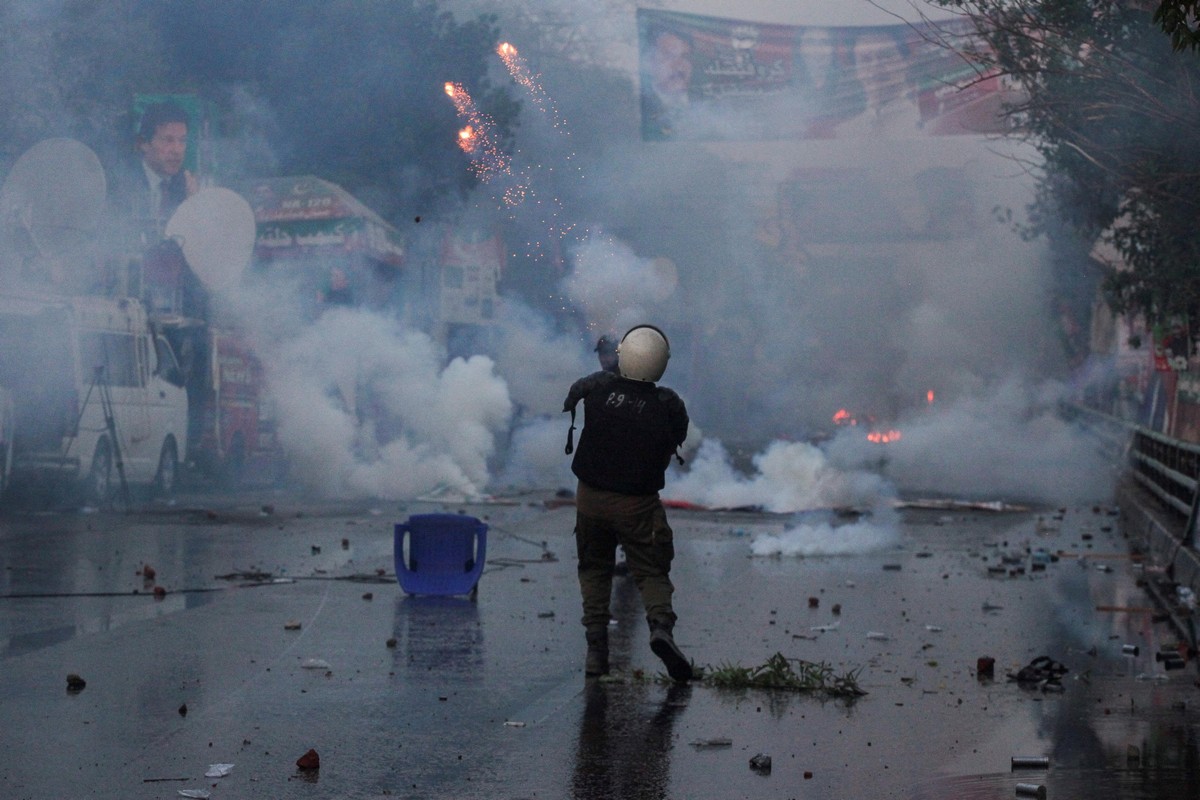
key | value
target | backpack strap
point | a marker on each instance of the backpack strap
(571, 434)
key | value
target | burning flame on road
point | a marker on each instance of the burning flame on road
(843, 418)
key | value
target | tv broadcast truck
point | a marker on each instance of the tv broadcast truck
(98, 398)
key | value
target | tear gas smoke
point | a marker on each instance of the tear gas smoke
(535, 456)
(537, 361)
(613, 286)
(880, 531)
(366, 409)
(788, 476)
(793, 278)
(1008, 442)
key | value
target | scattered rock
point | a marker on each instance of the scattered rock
(183, 710)
(985, 667)
(309, 760)
(75, 683)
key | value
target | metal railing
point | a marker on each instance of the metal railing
(1168, 468)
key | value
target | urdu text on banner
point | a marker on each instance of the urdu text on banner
(708, 78)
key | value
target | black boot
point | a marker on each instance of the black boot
(596, 662)
(663, 645)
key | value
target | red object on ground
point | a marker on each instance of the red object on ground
(684, 504)
(309, 760)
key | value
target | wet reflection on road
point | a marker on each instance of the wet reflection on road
(625, 741)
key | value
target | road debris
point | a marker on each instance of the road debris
(1042, 673)
(704, 744)
(75, 683)
(760, 763)
(309, 760)
(218, 770)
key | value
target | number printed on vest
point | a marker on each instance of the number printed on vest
(619, 400)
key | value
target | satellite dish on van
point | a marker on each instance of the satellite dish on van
(53, 197)
(215, 229)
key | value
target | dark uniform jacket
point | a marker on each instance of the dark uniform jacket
(630, 430)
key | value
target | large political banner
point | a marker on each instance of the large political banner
(711, 78)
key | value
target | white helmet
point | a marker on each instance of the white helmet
(642, 354)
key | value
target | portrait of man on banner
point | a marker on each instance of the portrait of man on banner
(666, 77)
(710, 78)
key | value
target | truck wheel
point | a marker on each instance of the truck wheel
(166, 479)
(98, 491)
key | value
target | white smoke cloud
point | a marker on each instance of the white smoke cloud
(535, 455)
(613, 286)
(1007, 443)
(538, 362)
(365, 408)
(879, 531)
(788, 476)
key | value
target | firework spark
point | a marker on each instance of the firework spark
(520, 72)
(476, 137)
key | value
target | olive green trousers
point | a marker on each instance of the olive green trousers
(638, 523)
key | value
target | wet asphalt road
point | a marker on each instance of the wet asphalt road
(487, 699)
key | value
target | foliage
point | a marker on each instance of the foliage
(70, 69)
(1178, 20)
(780, 672)
(1108, 105)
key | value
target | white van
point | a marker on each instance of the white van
(98, 395)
